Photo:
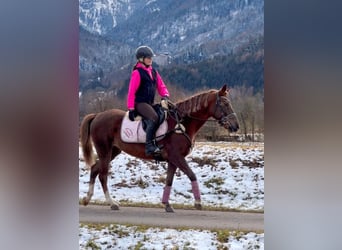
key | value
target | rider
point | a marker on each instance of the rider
(141, 92)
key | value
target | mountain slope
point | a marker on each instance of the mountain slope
(188, 32)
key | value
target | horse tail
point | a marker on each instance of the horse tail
(86, 145)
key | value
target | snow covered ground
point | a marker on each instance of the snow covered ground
(230, 175)
(133, 237)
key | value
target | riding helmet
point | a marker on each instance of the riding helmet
(144, 51)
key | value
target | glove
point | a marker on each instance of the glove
(164, 103)
(132, 114)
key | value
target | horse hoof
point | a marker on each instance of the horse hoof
(114, 207)
(85, 201)
(198, 206)
(169, 209)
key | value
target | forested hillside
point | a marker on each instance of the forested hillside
(203, 38)
(199, 45)
(244, 68)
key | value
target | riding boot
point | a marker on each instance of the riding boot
(150, 147)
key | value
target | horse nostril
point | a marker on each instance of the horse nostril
(235, 128)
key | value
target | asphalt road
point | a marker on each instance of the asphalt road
(197, 219)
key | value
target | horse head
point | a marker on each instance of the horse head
(224, 112)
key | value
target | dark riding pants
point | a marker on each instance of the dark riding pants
(146, 111)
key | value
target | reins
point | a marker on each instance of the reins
(208, 120)
(179, 126)
(173, 113)
(175, 110)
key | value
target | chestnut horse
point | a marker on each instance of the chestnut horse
(185, 118)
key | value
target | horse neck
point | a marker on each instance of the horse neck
(192, 126)
(196, 111)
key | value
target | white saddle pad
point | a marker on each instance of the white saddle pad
(134, 133)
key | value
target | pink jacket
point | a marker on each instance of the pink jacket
(135, 83)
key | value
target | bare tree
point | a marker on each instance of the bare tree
(98, 101)
(250, 110)
(248, 106)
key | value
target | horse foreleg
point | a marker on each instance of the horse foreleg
(171, 169)
(197, 194)
(93, 174)
(183, 165)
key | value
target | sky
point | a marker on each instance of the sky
(230, 175)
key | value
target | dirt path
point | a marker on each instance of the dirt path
(181, 218)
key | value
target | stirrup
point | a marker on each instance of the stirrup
(156, 151)
(158, 157)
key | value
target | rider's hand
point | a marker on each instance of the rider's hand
(132, 114)
(164, 102)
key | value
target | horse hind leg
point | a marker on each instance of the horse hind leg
(93, 174)
(114, 204)
(103, 176)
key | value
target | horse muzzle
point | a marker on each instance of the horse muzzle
(230, 122)
(233, 128)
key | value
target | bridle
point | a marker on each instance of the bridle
(222, 121)
(173, 112)
(225, 118)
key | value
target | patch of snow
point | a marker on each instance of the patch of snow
(129, 237)
(230, 175)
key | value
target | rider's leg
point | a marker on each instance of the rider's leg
(151, 118)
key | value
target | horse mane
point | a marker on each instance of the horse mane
(194, 103)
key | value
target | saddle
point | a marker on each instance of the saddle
(134, 131)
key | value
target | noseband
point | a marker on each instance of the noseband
(225, 118)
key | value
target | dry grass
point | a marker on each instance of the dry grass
(243, 145)
(205, 161)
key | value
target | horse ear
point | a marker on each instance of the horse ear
(224, 90)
